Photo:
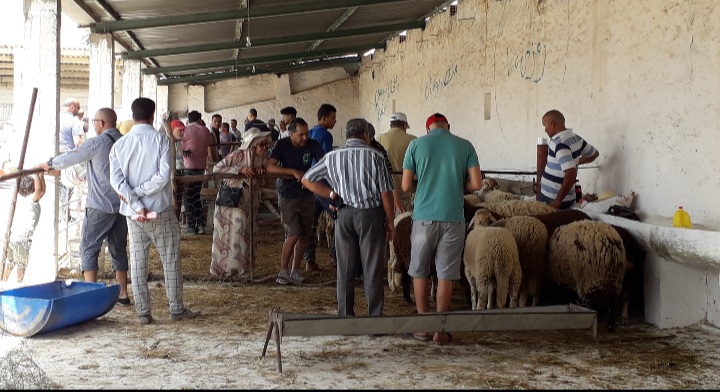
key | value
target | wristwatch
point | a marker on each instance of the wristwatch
(332, 193)
(49, 162)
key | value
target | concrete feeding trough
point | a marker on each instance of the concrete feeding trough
(539, 318)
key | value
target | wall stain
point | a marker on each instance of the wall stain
(434, 86)
(530, 64)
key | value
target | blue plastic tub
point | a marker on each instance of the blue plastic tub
(47, 307)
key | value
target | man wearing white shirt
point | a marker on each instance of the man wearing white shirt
(140, 174)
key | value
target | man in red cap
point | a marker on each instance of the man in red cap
(441, 161)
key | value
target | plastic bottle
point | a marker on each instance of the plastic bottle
(681, 218)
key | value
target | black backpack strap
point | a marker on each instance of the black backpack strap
(111, 137)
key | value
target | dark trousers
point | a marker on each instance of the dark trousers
(360, 241)
(191, 201)
(321, 204)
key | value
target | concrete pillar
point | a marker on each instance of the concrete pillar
(282, 86)
(131, 84)
(149, 90)
(196, 101)
(162, 103)
(102, 74)
(38, 65)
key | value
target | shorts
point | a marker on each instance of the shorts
(18, 253)
(297, 215)
(442, 240)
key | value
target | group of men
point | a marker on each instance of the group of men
(130, 195)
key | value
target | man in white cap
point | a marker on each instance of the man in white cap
(396, 142)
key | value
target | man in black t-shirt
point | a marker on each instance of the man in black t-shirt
(293, 156)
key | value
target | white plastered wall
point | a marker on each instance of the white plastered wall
(268, 94)
(639, 80)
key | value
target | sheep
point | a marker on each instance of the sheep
(399, 260)
(559, 218)
(491, 259)
(588, 257)
(326, 228)
(510, 208)
(632, 286)
(496, 196)
(531, 238)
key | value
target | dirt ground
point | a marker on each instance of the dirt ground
(221, 349)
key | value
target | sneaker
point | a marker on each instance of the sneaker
(295, 275)
(187, 314)
(283, 277)
(201, 230)
(145, 320)
(190, 231)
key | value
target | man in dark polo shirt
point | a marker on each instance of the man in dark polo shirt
(293, 156)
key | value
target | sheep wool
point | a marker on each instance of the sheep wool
(491, 261)
(531, 238)
(510, 208)
(399, 260)
(589, 257)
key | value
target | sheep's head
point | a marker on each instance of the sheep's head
(490, 184)
(482, 217)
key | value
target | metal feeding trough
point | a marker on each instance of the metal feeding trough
(539, 318)
(47, 307)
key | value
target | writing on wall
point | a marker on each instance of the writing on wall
(435, 85)
(528, 64)
(383, 94)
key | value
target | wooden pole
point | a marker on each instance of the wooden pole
(20, 174)
(17, 181)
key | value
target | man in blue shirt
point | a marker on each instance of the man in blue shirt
(102, 213)
(327, 117)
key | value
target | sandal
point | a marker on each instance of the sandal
(420, 336)
(442, 338)
(124, 301)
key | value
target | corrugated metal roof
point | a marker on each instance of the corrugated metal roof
(197, 39)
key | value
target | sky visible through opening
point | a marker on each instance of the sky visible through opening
(12, 27)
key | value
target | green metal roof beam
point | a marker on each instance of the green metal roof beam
(347, 14)
(242, 13)
(261, 60)
(236, 74)
(290, 39)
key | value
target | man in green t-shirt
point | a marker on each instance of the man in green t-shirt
(440, 160)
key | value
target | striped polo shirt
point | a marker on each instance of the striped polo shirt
(356, 172)
(564, 152)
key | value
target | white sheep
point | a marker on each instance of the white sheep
(531, 238)
(497, 195)
(491, 260)
(510, 208)
(588, 257)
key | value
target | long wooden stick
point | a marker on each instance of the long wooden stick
(17, 181)
(20, 174)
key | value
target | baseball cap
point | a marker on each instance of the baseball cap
(177, 124)
(434, 118)
(399, 117)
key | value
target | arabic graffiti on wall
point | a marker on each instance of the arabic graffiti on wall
(435, 85)
(529, 64)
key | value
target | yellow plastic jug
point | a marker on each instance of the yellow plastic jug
(681, 219)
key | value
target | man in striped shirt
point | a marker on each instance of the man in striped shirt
(358, 177)
(566, 151)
